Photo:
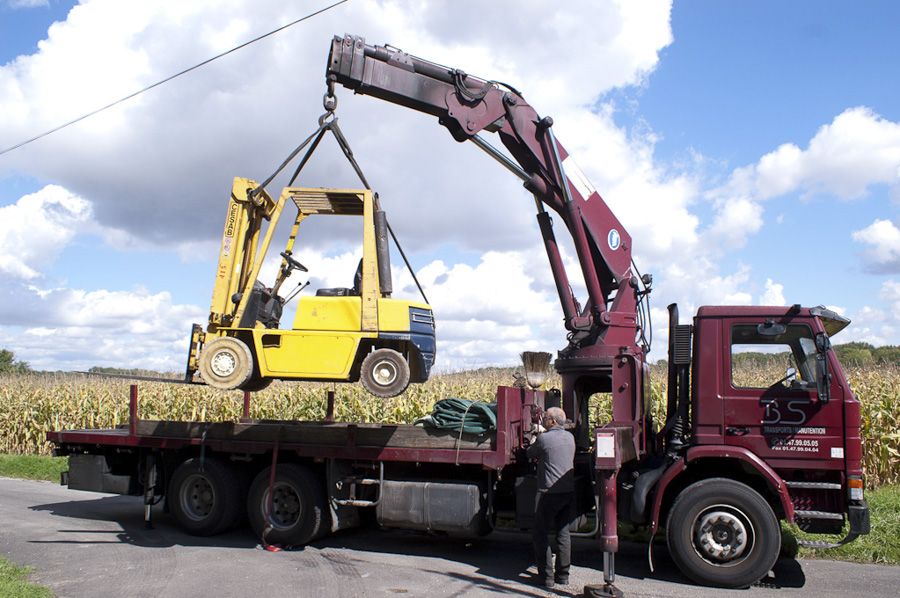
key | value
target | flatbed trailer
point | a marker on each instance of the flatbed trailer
(213, 473)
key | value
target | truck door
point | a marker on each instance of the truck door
(770, 400)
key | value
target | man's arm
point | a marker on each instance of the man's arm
(535, 449)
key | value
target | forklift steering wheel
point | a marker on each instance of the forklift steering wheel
(292, 263)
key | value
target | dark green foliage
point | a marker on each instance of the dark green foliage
(9, 365)
(127, 371)
(866, 354)
(849, 354)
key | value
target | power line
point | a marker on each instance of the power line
(167, 79)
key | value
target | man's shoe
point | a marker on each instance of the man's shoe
(563, 581)
(547, 582)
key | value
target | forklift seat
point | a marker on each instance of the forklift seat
(343, 291)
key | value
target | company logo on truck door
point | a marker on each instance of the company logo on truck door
(779, 411)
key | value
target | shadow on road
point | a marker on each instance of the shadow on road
(504, 555)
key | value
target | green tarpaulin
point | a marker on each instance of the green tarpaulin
(462, 415)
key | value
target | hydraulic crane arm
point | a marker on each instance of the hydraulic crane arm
(467, 105)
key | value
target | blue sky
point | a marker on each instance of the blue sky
(679, 114)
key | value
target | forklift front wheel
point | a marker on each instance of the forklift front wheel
(226, 363)
(384, 373)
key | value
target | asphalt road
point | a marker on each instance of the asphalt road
(85, 544)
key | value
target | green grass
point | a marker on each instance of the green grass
(32, 467)
(881, 545)
(14, 582)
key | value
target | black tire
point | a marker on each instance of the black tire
(256, 384)
(225, 363)
(723, 533)
(299, 511)
(205, 501)
(384, 373)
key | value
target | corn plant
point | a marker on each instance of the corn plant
(33, 404)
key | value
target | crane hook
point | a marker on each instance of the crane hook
(329, 101)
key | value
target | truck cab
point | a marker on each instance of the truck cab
(762, 425)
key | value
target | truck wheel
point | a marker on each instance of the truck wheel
(204, 500)
(226, 363)
(384, 373)
(723, 533)
(298, 512)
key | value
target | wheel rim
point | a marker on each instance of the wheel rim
(223, 363)
(385, 372)
(723, 535)
(197, 497)
(286, 506)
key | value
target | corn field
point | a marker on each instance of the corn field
(32, 404)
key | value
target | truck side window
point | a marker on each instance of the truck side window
(764, 361)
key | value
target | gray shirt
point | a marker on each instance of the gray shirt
(555, 452)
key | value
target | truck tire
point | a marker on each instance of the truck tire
(723, 533)
(206, 500)
(299, 512)
(384, 373)
(225, 363)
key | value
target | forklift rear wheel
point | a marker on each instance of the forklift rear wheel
(226, 363)
(297, 513)
(723, 533)
(204, 497)
(384, 373)
(256, 384)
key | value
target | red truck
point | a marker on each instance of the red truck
(734, 455)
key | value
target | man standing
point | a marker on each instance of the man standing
(555, 501)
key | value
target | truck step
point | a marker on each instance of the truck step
(819, 515)
(814, 485)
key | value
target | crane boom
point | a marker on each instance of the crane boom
(468, 105)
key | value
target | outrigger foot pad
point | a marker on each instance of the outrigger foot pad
(606, 590)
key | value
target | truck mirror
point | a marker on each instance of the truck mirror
(770, 328)
(823, 378)
(790, 374)
(822, 342)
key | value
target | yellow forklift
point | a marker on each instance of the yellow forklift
(355, 333)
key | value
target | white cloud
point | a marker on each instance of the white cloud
(37, 227)
(879, 323)
(773, 295)
(197, 132)
(856, 151)
(157, 169)
(736, 219)
(489, 312)
(78, 329)
(883, 239)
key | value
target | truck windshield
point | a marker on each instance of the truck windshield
(763, 361)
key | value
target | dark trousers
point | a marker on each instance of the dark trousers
(552, 515)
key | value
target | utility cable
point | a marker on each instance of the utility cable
(167, 79)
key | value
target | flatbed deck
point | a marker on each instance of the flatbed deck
(343, 440)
